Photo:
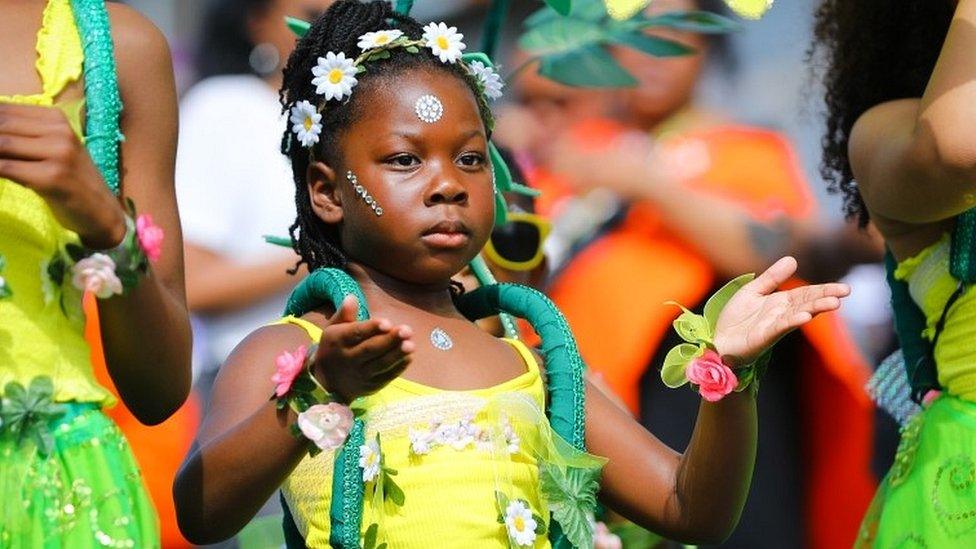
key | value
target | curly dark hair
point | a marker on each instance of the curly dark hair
(338, 30)
(873, 51)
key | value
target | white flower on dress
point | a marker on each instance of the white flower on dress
(96, 274)
(512, 440)
(306, 123)
(378, 39)
(490, 80)
(335, 76)
(445, 42)
(520, 523)
(421, 441)
(369, 460)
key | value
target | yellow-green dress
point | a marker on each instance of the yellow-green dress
(82, 487)
(928, 498)
(453, 451)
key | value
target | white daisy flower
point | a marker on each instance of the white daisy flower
(444, 41)
(520, 523)
(335, 76)
(369, 460)
(378, 39)
(306, 123)
(421, 441)
(490, 80)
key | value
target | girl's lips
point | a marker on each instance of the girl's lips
(448, 241)
(447, 234)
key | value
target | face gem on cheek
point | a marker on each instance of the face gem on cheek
(429, 108)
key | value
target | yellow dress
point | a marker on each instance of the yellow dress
(42, 331)
(85, 490)
(452, 449)
(928, 498)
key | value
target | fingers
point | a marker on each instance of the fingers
(393, 342)
(774, 276)
(18, 147)
(29, 126)
(26, 172)
(347, 311)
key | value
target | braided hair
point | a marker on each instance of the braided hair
(338, 30)
(875, 51)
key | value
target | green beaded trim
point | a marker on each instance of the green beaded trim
(564, 366)
(332, 286)
(103, 101)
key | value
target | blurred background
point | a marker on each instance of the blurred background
(753, 106)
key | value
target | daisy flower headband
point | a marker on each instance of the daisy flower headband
(335, 75)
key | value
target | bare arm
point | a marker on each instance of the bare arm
(146, 334)
(915, 159)
(245, 450)
(695, 497)
(698, 496)
(215, 283)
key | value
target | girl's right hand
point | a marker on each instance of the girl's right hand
(355, 359)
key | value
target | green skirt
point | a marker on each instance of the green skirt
(928, 498)
(87, 492)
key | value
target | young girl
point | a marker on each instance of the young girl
(67, 475)
(900, 121)
(394, 186)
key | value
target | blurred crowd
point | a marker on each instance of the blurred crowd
(704, 170)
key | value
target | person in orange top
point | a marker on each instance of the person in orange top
(672, 217)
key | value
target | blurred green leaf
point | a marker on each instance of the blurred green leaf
(653, 45)
(703, 22)
(562, 35)
(561, 6)
(589, 66)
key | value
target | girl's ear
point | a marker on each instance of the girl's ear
(323, 191)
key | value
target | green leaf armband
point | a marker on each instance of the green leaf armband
(697, 362)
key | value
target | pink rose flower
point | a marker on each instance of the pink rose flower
(289, 366)
(150, 237)
(96, 274)
(326, 425)
(603, 538)
(713, 377)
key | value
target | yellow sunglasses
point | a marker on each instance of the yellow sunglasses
(518, 244)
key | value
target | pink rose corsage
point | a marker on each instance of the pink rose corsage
(326, 425)
(713, 378)
(696, 361)
(150, 237)
(289, 365)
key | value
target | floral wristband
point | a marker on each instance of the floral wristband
(106, 273)
(321, 419)
(697, 361)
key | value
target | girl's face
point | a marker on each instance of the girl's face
(433, 180)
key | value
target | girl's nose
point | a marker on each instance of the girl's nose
(447, 190)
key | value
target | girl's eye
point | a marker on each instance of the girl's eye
(403, 160)
(472, 159)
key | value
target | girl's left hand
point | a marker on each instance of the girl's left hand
(758, 316)
(39, 150)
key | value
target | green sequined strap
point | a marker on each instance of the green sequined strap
(564, 366)
(963, 258)
(103, 104)
(332, 286)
